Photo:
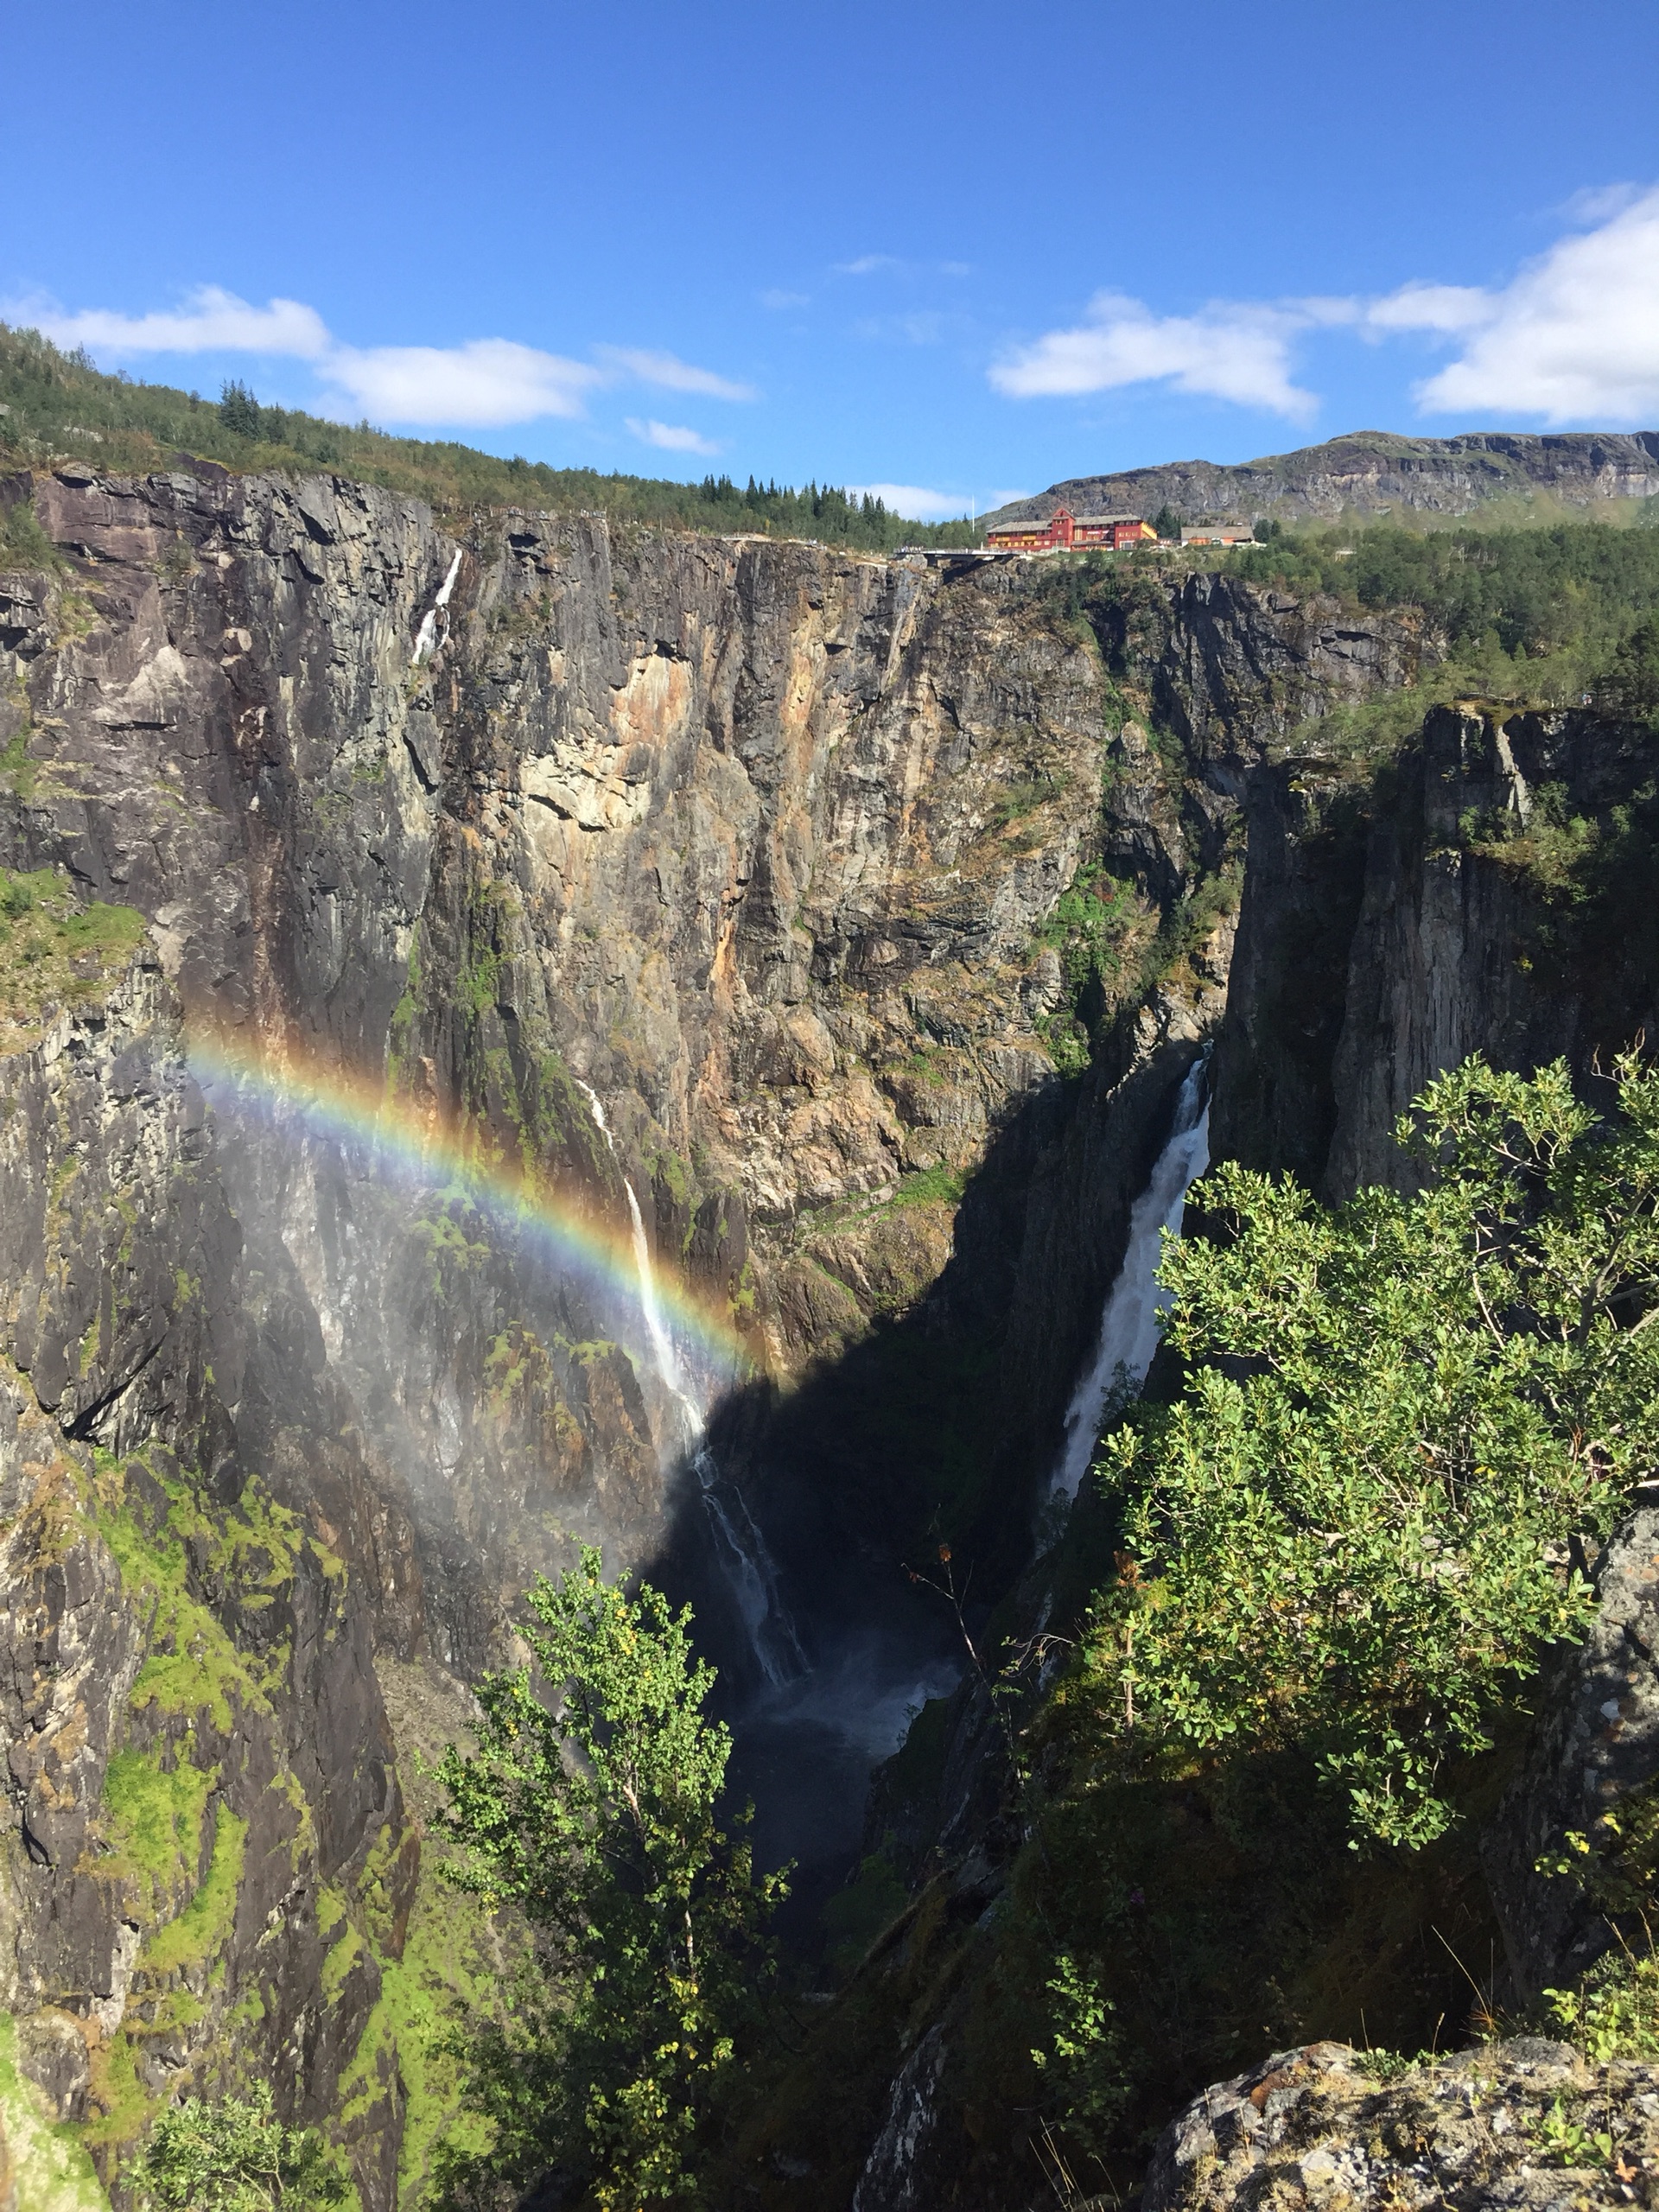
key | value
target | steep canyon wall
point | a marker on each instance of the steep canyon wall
(769, 846)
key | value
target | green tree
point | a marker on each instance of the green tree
(1407, 1423)
(1631, 685)
(238, 409)
(590, 1805)
(233, 2156)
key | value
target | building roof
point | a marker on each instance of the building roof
(1095, 521)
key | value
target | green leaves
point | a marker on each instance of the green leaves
(1405, 1420)
(234, 2156)
(590, 1805)
(1082, 2056)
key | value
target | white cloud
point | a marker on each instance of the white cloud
(488, 381)
(1573, 338)
(485, 382)
(915, 501)
(1598, 201)
(778, 300)
(1231, 351)
(672, 437)
(210, 320)
(1449, 308)
(669, 373)
(867, 265)
(1008, 499)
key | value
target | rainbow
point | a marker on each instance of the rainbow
(422, 1146)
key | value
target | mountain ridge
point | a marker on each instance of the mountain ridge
(1369, 473)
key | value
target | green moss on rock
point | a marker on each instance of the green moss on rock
(55, 952)
(50, 2170)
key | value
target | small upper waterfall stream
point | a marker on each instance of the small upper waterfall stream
(1131, 1323)
(426, 637)
(750, 1571)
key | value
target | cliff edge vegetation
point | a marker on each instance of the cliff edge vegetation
(54, 404)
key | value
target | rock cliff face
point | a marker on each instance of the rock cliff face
(210, 1858)
(784, 858)
(757, 845)
(1481, 890)
(1376, 473)
(1596, 1760)
(1482, 894)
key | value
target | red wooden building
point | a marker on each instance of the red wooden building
(1064, 528)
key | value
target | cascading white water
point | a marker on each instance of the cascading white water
(662, 1344)
(750, 1569)
(1132, 1322)
(426, 637)
(751, 1572)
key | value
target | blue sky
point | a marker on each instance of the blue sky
(969, 249)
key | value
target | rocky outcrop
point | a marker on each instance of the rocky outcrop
(1373, 473)
(1588, 1777)
(1520, 2123)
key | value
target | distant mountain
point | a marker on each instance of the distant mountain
(1373, 473)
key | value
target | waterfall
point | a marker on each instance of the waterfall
(426, 637)
(1131, 1323)
(752, 1575)
(668, 1365)
(750, 1570)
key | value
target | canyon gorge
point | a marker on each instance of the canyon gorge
(603, 1050)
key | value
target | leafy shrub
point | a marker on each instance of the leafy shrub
(1403, 1419)
(233, 2156)
(1553, 847)
(23, 544)
(1613, 2012)
(1082, 2059)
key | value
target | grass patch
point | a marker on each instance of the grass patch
(201, 1928)
(939, 1186)
(54, 951)
(152, 1823)
(193, 1666)
(1021, 799)
(868, 1905)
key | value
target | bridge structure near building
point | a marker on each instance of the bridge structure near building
(945, 556)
